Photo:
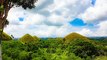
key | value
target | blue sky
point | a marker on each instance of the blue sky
(93, 2)
(77, 22)
(57, 18)
(21, 18)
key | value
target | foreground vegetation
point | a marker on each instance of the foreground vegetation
(52, 49)
(72, 47)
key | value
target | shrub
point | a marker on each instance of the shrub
(5, 57)
(23, 55)
(101, 58)
(84, 49)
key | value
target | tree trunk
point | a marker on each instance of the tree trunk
(1, 31)
(3, 16)
(1, 24)
(0, 53)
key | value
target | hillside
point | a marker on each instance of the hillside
(6, 37)
(75, 36)
(36, 38)
(28, 38)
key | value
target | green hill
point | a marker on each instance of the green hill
(75, 36)
(6, 37)
(28, 38)
(36, 38)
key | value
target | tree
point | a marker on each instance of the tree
(84, 49)
(6, 5)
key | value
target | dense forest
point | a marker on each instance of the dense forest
(72, 47)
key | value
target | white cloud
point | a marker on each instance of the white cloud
(69, 8)
(33, 19)
(86, 32)
(14, 14)
(56, 20)
(50, 19)
(102, 30)
(96, 12)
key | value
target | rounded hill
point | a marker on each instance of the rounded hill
(6, 37)
(75, 36)
(28, 38)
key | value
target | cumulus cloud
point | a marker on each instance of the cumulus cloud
(99, 31)
(51, 18)
(102, 30)
(96, 12)
(86, 32)
(68, 8)
(36, 19)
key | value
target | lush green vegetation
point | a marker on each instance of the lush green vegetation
(54, 49)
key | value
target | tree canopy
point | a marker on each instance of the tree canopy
(24, 3)
(6, 5)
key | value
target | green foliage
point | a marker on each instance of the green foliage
(52, 49)
(24, 3)
(84, 49)
(101, 58)
(5, 57)
(23, 55)
(1, 8)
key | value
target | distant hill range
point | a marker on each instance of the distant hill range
(98, 38)
(69, 37)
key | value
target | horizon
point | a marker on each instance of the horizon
(64, 36)
(57, 18)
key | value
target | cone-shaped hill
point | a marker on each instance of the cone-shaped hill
(28, 38)
(6, 37)
(75, 36)
(36, 38)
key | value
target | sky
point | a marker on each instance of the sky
(57, 18)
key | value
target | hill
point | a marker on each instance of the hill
(6, 37)
(75, 36)
(28, 38)
(35, 37)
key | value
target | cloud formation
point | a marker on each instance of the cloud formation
(51, 18)
(96, 12)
